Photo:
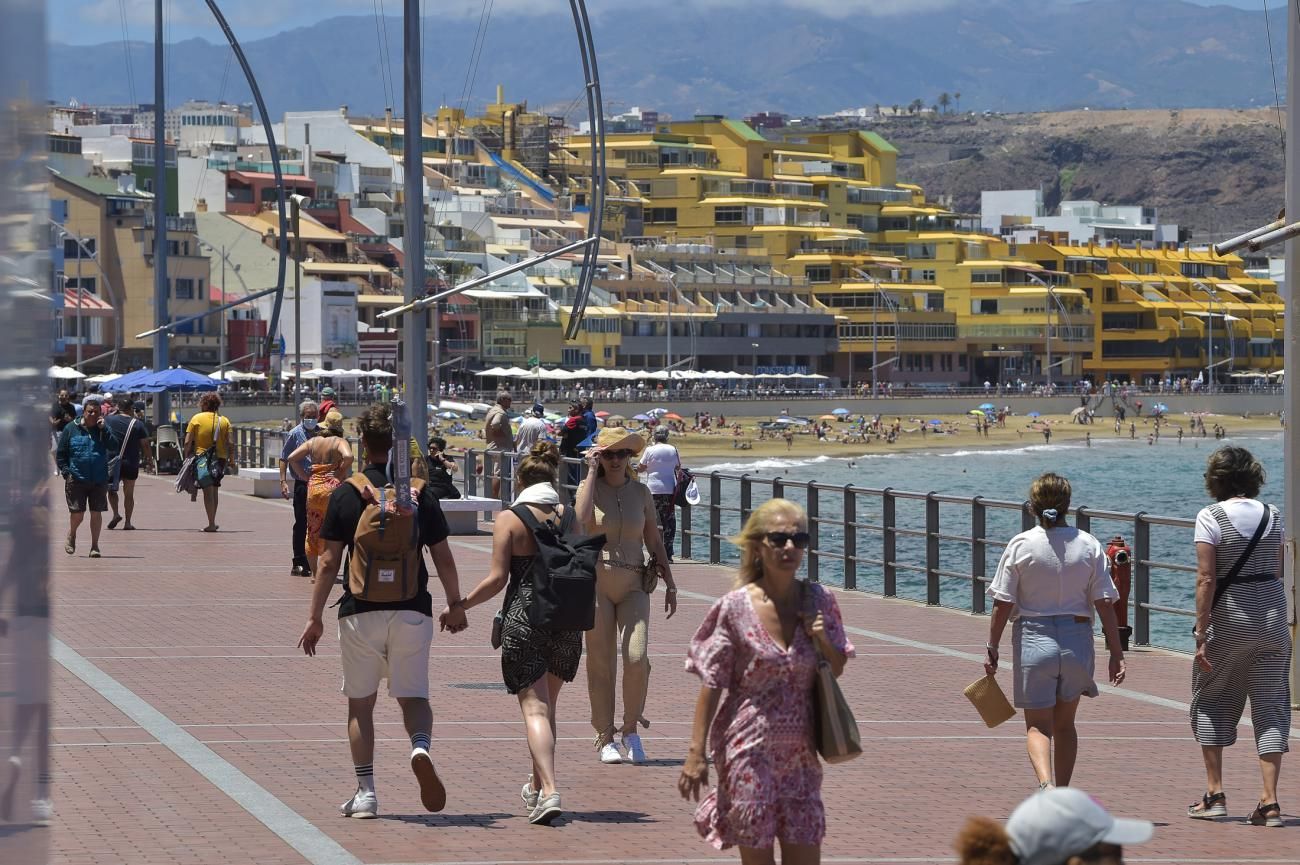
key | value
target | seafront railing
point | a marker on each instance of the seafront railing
(934, 548)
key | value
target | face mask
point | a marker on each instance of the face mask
(309, 423)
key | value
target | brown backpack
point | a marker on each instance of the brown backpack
(384, 565)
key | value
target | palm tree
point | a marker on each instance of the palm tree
(957, 98)
(916, 106)
(944, 101)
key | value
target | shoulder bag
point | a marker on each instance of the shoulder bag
(208, 467)
(115, 463)
(1232, 576)
(835, 730)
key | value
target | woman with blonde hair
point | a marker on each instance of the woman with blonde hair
(534, 663)
(331, 464)
(1049, 580)
(610, 501)
(760, 643)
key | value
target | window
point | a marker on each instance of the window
(934, 301)
(984, 306)
(729, 215)
(86, 282)
(70, 247)
(662, 215)
(184, 288)
(575, 356)
(818, 273)
(985, 276)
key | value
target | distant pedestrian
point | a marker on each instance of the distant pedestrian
(1087, 438)
(328, 400)
(308, 413)
(133, 438)
(82, 456)
(1180, 435)
(535, 663)
(1065, 826)
(1132, 430)
(573, 432)
(207, 439)
(330, 457)
(441, 470)
(1047, 434)
(659, 465)
(499, 440)
(385, 625)
(760, 643)
(1243, 641)
(1051, 578)
(531, 429)
(589, 417)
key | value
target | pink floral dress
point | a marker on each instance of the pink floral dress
(769, 774)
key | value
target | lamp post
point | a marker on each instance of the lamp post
(225, 259)
(77, 238)
(753, 359)
(295, 208)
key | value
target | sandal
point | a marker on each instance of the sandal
(70, 545)
(1212, 805)
(1267, 814)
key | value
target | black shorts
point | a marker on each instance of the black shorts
(130, 473)
(81, 494)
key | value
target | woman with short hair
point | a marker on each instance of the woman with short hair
(331, 464)
(659, 464)
(613, 503)
(1049, 581)
(534, 663)
(208, 430)
(1243, 641)
(760, 643)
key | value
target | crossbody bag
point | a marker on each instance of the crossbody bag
(115, 464)
(1233, 575)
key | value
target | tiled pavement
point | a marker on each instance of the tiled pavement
(234, 749)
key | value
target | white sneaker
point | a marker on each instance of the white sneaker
(42, 812)
(433, 795)
(363, 805)
(635, 750)
(609, 753)
(546, 811)
(529, 795)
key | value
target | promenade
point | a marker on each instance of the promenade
(189, 729)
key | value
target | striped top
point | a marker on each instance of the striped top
(1263, 561)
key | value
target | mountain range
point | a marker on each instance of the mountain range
(999, 55)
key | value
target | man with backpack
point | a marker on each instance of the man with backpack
(386, 611)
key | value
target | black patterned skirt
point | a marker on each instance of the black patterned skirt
(528, 653)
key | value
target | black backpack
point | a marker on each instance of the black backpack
(563, 574)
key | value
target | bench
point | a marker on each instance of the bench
(463, 514)
(266, 482)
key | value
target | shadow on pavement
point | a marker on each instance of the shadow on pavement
(484, 821)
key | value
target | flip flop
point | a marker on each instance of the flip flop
(210, 528)
(128, 528)
(114, 523)
(70, 546)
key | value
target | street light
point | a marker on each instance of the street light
(754, 358)
(203, 244)
(1209, 333)
(296, 203)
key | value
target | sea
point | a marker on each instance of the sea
(1114, 474)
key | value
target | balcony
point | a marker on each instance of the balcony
(174, 223)
(1065, 333)
(455, 346)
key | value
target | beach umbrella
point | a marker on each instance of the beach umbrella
(988, 406)
(447, 415)
(657, 412)
(672, 415)
(977, 411)
(64, 372)
(176, 379)
(642, 417)
(604, 414)
(828, 417)
(840, 412)
(1078, 411)
(130, 380)
(614, 417)
(1034, 414)
(936, 422)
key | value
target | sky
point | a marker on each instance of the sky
(84, 22)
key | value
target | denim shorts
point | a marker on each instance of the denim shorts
(1052, 661)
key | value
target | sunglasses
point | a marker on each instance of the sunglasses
(617, 455)
(780, 539)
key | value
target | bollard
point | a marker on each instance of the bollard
(715, 519)
(932, 549)
(1142, 579)
(850, 538)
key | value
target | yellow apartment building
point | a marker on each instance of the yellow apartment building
(116, 221)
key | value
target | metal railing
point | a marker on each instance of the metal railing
(870, 540)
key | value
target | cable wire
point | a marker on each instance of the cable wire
(126, 50)
(1277, 95)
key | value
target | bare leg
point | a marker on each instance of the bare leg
(801, 854)
(1213, 757)
(535, 703)
(361, 730)
(417, 715)
(1038, 741)
(1067, 740)
(96, 522)
(74, 523)
(210, 505)
(757, 856)
(1270, 767)
(128, 501)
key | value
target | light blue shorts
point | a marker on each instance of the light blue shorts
(1052, 661)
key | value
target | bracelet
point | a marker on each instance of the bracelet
(992, 648)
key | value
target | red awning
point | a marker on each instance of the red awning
(91, 303)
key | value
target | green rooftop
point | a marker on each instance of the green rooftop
(105, 187)
(744, 130)
(877, 142)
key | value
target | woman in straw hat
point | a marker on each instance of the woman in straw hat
(612, 502)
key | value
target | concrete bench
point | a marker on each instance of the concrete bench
(266, 482)
(463, 514)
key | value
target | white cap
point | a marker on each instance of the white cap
(692, 493)
(1050, 827)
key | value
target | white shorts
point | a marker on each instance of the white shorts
(386, 644)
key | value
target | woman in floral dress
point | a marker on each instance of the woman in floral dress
(759, 644)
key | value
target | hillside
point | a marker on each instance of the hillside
(1216, 171)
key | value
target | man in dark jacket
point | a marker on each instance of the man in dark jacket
(85, 446)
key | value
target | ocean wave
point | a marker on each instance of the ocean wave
(767, 464)
(1027, 449)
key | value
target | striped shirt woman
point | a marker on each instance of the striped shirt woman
(1243, 642)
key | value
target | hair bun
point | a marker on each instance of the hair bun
(544, 450)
